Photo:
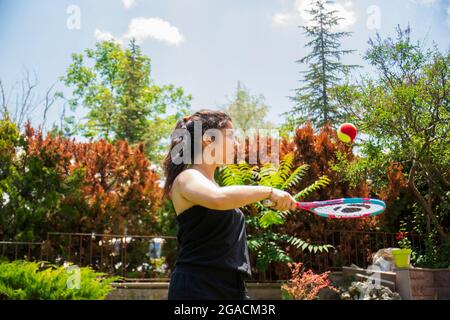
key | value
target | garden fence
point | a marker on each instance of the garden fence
(153, 256)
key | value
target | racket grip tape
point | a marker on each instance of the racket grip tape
(268, 203)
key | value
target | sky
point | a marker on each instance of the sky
(205, 46)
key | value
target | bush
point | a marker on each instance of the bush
(305, 285)
(435, 255)
(50, 183)
(22, 280)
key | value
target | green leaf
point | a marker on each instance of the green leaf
(295, 177)
(322, 182)
(270, 218)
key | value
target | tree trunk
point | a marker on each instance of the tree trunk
(423, 203)
(324, 85)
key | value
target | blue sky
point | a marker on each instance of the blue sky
(206, 46)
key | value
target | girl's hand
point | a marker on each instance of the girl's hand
(282, 200)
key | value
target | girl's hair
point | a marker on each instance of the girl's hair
(209, 119)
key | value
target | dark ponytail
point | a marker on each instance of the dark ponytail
(209, 119)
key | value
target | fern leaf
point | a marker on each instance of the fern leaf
(286, 166)
(270, 218)
(295, 177)
(322, 182)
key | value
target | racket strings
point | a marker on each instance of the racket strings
(349, 210)
(355, 208)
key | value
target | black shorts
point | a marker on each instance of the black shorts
(204, 283)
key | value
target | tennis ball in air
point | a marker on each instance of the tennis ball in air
(347, 132)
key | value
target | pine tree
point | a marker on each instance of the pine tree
(325, 69)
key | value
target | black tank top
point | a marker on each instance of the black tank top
(213, 238)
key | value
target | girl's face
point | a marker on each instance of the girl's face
(223, 146)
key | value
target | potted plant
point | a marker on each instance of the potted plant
(402, 255)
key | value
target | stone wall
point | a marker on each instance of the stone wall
(442, 284)
(159, 290)
(424, 284)
(139, 291)
(387, 279)
(412, 284)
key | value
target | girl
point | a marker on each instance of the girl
(213, 259)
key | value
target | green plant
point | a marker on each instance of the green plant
(23, 280)
(404, 242)
(434, 255)
(444, 255)
(264, 240)
(158, 266)
(402, 238)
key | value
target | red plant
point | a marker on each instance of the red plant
(319, 151)
(396, 183)
(306, 285)
(401, 235)
(119, 191)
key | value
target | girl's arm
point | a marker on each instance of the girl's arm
(199, 190)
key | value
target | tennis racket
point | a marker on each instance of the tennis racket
(347, 208)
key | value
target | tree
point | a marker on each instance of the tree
(325, 69)
(405, 111)
(122, 100)
(247, 111)
(26, 102)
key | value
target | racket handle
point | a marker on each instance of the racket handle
(268, 203)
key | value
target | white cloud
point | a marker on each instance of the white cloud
(105, 36)
(300, 15)
(282, 19)
(142, 29)
(128, 3)
(153, 28)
